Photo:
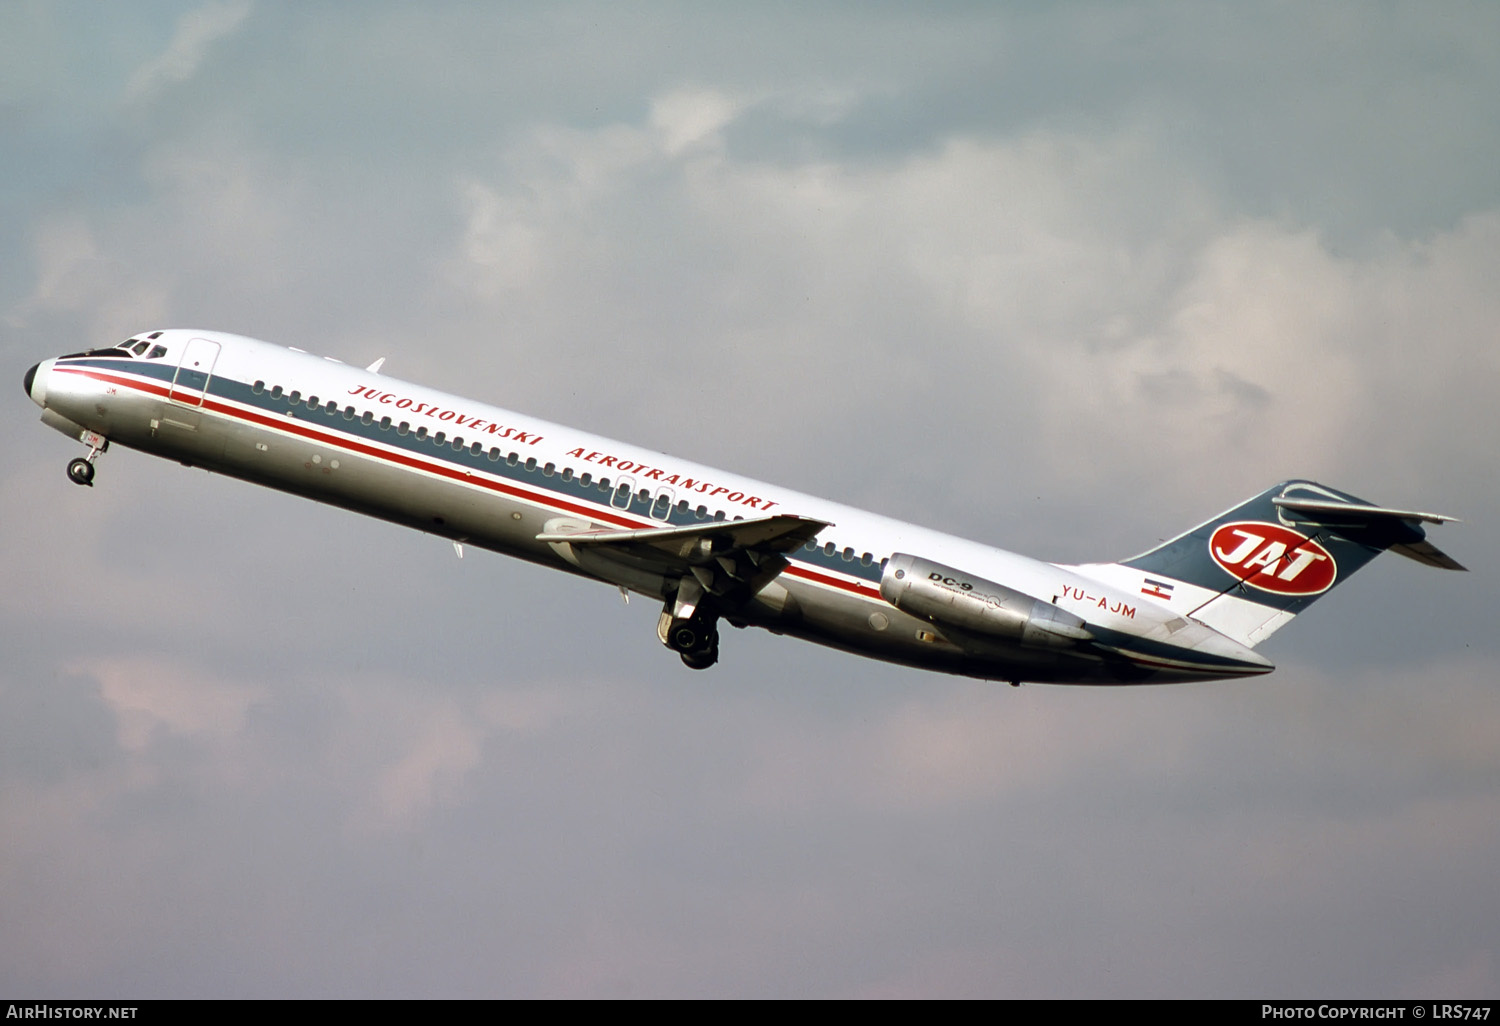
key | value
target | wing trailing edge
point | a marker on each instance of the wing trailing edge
(778, 533)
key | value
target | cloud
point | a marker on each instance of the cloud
(197, 30)
(691, 118)
(150, 694)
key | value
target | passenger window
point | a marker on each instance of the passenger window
(586, 479)
(458, 443)
(511, 459)
(438, 438)
(276, 392)
(476, 449)
(403, 427)
(348, 413)
(367, 417)
(531, 463)
(494, 453)
(701, 512)
(718, 514)
(828, 549)
(567, 473)
(294, 398)
(621, 498)
(422, 433)
(663, 506)
(848, 554)
(644, 495)
(548, 469)
(258, 387)
(385, 423)
(865, 559)
(312, 402)
(332, 407)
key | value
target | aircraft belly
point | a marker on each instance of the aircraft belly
(872, 627)
(863, 625)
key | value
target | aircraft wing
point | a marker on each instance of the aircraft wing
(724, 555)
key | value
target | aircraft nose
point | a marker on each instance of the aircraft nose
(30, 377)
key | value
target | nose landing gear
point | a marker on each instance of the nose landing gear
(81, 470)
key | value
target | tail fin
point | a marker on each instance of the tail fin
(1249, 571)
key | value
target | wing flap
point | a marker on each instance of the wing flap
(778, 533)
(732, 559)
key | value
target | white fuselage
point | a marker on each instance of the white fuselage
(496, 479)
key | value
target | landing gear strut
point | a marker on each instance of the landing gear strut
(81, 470)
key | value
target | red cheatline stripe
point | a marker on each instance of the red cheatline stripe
(295, 427)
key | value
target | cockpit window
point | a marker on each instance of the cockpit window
(115, 350)
(140, 347)
(157, 352)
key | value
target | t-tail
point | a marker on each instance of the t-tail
(1247, 572)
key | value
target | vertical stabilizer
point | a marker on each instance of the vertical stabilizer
(1251, 569)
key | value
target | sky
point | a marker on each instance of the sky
(1065, 278)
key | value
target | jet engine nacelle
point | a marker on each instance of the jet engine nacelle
(951, 598)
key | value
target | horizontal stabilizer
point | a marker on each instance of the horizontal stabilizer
(1372, 519)
(1349, 509)
(1426, 552)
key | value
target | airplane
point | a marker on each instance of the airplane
(712, 546)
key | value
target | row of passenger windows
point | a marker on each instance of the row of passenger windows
(847, 553)
(621, 499)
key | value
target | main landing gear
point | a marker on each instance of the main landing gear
(696, 640)
(81, 470)
(688, 629)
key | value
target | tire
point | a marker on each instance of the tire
(686, 636)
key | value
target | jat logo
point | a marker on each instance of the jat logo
(1273, 558)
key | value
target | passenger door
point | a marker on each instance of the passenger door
(193, 371)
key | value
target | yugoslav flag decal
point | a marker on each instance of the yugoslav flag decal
(1273, 558)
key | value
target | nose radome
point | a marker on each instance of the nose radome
(30, 377)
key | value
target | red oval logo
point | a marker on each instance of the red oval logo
(1273, 558)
